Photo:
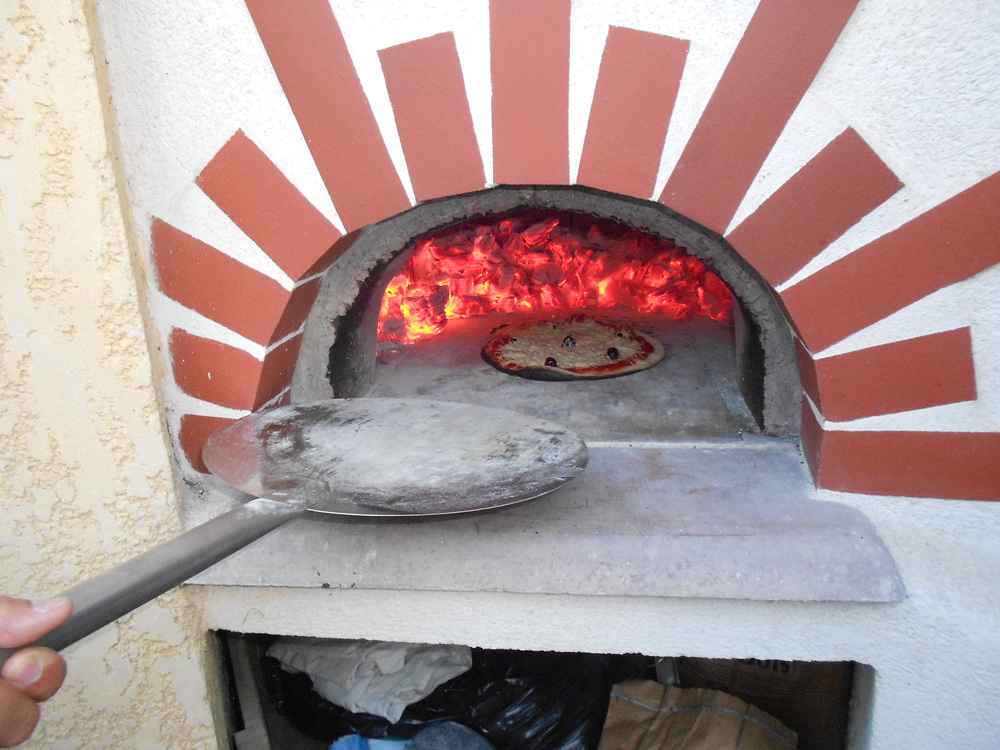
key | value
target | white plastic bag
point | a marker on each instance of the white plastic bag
(373, 677)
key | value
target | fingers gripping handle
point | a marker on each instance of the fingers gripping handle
(106, 597)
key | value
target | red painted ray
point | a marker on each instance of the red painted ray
(955, 465)
(900, 376)
(774, 64)
(829, 195)
(217, 286)
(221, 374)
(529, 46)
(634, 98)
(242, 181)
(310, 57)
(427, 91)
(949, 243)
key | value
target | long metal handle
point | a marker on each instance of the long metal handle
(106, 597)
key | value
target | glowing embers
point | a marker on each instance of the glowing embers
(545, 264)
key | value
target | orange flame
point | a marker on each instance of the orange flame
(551, 266)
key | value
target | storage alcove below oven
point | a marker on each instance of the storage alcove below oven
(516, 698)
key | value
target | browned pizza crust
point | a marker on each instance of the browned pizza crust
(574, 348)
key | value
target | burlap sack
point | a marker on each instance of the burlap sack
(645, 715)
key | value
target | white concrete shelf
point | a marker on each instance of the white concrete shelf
(729, 520)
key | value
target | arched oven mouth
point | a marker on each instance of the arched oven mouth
(720, 379)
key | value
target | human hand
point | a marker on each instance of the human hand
(31, 675)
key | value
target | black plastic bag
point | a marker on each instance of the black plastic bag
(518, 700)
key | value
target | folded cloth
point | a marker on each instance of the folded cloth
(645, 715)
(372, 677)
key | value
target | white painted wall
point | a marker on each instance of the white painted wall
(922, 91)
(918, 83)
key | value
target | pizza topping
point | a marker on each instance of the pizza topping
(532, 346)
(577, 347)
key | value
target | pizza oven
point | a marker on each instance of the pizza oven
(832, 168)
(409, 306)
(696, 484)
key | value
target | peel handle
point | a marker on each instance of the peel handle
(101, 600)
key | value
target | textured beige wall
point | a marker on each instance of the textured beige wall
(86, 479)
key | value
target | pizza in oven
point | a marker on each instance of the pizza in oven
(578, 347)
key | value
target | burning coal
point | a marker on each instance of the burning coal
(545, 266)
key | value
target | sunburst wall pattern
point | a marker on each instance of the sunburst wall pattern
(782, 49)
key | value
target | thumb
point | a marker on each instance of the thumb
(23, 622)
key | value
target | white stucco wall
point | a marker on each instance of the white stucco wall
(923, 91)
(87, 478)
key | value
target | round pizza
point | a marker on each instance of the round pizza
(578, 347)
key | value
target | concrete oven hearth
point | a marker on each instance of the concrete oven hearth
(687, 493)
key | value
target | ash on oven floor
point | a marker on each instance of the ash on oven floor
(691, 395)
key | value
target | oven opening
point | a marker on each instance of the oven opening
(615, 332)
(536, 264)
(432, 297)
